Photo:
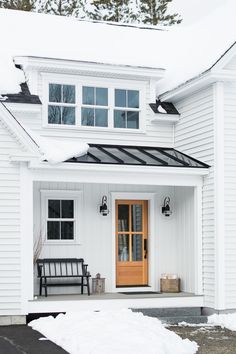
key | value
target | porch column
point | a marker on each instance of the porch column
(198, 239)
(26, 231)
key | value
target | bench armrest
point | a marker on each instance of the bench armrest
(85, 270)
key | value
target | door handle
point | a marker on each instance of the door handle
(145, 248)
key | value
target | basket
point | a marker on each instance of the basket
(170, 285)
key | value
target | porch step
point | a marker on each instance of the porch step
(175, 315)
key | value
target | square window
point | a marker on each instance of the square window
(54, 211)
(88, 95)
(120, 98)
(133, 99)
(101, 117)
(119, 119)
(67, 209)
(132, 120)
(68, 93)
(55, 93)
(68, 115)
(87, 116)
(101, 96)
(54, 115)
(53, 230)
(67, 230)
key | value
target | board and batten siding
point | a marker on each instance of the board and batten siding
(10, 240)
(194, 135)
(160, 134)
(230, 192)
(171, 243)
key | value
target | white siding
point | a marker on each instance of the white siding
(10, 242)
(231, 65)
(230, 194)
(194, 135)
(170, 242)
(160, 134)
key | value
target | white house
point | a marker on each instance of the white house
(160, 128)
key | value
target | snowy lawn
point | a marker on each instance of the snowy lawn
(112, 332)
(225, 321)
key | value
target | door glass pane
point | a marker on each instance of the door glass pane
(53, 230)
(54, 209)
(123, 217)
(137, 247)
(123, 248)
(67, 209)
(67, 230)
(137, 222)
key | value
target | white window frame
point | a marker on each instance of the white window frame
(111, 85)
(76, 196)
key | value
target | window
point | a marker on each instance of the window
(126, 113)
(60, 219)
(93, 113)
(61, 107)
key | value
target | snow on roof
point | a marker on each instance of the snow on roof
(184, 52)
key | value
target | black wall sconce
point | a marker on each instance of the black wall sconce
(103, 208)
(166, 207)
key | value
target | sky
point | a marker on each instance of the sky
(192, 10)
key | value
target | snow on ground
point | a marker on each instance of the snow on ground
(223, 320)
(183, 51)
(112, 332)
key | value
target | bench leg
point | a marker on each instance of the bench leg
(82, 285)
(40, 286)
(45, 287)
(88, 287)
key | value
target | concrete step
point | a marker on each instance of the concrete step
(170, 312)
(187, 319)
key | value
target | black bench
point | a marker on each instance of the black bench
(62, 268)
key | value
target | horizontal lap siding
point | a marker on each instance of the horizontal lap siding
(194, 136)
(10, 243)
(230, 194)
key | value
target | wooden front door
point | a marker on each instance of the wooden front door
(131, 242)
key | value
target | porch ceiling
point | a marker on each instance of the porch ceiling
(137, 155)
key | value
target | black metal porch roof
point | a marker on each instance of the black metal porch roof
(137, 155)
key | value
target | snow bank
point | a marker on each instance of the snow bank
(224, 320)
(113, 332)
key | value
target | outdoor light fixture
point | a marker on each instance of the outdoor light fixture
(103, 208)
(166, 207)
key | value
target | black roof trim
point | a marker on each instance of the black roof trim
(22, 97)
(167, 106)
(137, 155)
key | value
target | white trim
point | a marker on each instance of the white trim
(219, 196)
(198, 287)
(78, 216)
(27, 108)
(77, 67)
(151, 198)
(26, 231)
(165, 118)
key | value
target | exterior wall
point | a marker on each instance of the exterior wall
(95, 246)
(230, 193)
(231, 65)
(10, 239)
(152, 134)
(194, 135)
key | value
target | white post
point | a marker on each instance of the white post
(198, 239)
(26, 229)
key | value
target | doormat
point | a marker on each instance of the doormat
(140, 292)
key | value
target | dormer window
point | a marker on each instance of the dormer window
(94, 111)
(126, 113)
(61, 108)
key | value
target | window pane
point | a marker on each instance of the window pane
(87, 116)
(101, 117)
(53, 230)
(69, 93)
(54, 115)
(133, 120)
(120, 98)
(55, 93)
(133, 99)
(137, 247)
(137, 222)
(123, 217)
(101, 96)
(88, 95)
(119, 119)
(67, 230)
(123, 248)
(68, 115)
(54, 209)
(67, 209)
